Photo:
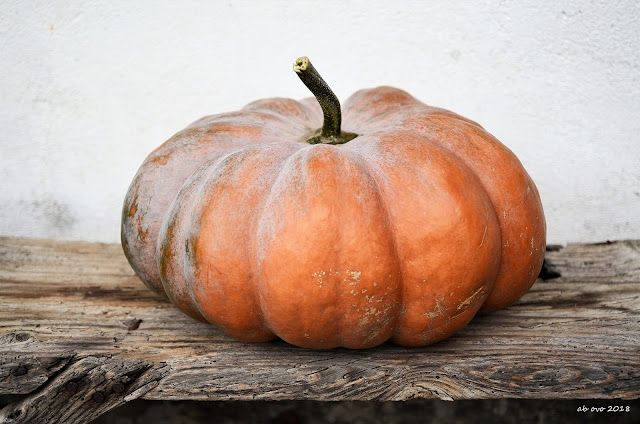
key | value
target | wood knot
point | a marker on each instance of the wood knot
(15, 414)
(22, 337)
(133, 324)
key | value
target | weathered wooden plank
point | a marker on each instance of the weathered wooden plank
(575, 336)
(84, 390)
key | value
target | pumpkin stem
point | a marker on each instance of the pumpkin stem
(330, 133)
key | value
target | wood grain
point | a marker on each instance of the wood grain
(74, 311)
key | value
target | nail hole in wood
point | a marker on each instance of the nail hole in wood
(21, 370)
(98, 397)
(72, 387)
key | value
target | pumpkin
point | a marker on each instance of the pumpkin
(281, 220)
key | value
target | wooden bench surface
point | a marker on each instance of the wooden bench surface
(80, 335)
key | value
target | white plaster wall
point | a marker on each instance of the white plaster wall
(88, 89)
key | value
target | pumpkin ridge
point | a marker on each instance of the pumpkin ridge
(460, 127)
(313, 110)
(527, 281)
(355, 154)
(460, 161)
(392, 117)
(463, 163)
(349, 158)
(242, 179)
(326, 244)
(176, 221)
(286, 121)
(259, 223)
(277, 106)
(304, 131)
(385, 113)
(166, 168)
(283, 174)
(390, 99)
(242, 118)
(255, 226)
(209, 174)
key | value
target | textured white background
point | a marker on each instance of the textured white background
(88, 89)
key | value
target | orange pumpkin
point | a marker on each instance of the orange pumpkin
(401, 227)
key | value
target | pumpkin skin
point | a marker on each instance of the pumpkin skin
(403, 233)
